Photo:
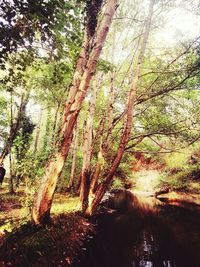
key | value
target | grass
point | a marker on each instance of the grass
(65, 204)
(62, 243)
(176, 160)
(15, 209)
(24, 244)
(12, 210)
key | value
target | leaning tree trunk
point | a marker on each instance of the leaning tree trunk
(87, 148)
(74, 152)
(104, 146)
(129, 117)
(110, 112)
(54, 129)
(44, 196)
(95, 176)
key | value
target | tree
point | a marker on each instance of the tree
(129, 115)
(87, 147)
(14, 82)
(86, 66)
(74, 154)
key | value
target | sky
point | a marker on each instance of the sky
(180, 25)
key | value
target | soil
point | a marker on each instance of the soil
(61, 243)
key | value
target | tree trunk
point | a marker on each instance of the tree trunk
(95, 177)
(87, 148)
(129, 117)
(47, 132)
(74, 151)
(11, 186)
(111, 99)
(44, 197)
(53, 139)
(37, 136)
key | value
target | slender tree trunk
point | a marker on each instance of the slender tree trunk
(47, 132)
(111, 99)
(78, 184)
(44, 196)
(53, 139)
(87, 148)
(129, 117)
(37, 136)
(95, 177)
(74, 152)
(11, 186)
(104, 146)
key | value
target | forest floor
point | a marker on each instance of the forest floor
(65, 240)
(15, 208)
(60, 243)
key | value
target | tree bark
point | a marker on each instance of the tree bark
(95, 177)
(44, 197)
(11, 186)
(54, 130)
(129, 117)
(74, 151)
(37, 136)
(111, 99)
(87, 148)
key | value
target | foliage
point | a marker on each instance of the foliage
(117, 184)
(28, 22)
(182, 173)
(176, 160)
(23, 140)
(65, 176)
(4, 119)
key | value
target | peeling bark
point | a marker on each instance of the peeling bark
(74, 151)
(54, 130)
(95, 177)
(44, 196)
(87, 148)
(129, 117)
(111, 99)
